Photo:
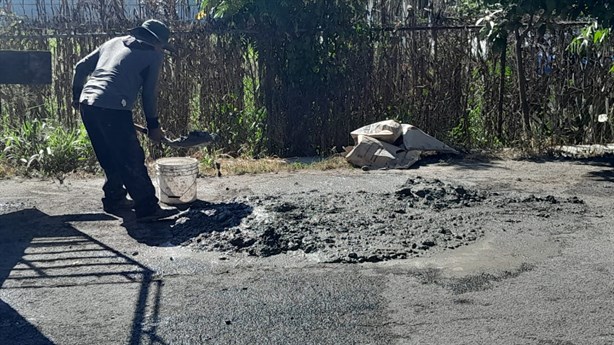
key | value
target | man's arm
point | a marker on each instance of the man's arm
(150, 93)
(83, 69)
(150, 99)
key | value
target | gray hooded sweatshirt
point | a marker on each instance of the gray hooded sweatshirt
(117, 70)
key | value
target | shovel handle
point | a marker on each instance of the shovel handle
(145, 131)
(141, 129)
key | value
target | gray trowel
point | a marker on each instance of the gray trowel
(193, 139)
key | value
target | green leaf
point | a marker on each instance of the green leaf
(601, 36)
(32, 159)
(204, 4)
(598, 37)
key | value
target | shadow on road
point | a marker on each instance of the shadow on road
(481, 162)
(461, 162)
(606, 175)
(42, 251)
(606, 162)
(201, 217)
(16, 330)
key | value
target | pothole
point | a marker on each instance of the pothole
(423, 216)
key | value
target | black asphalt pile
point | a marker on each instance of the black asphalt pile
(423, 216)
(437, 194)
(547, 199)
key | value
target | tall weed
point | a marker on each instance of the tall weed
(38, 147)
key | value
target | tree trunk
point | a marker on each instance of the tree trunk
(502, 92)
(522, 87)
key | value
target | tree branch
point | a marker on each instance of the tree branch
(524, 34)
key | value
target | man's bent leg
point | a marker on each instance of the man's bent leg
(129, 157)
(113, 187)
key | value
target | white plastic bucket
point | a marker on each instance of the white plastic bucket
(177, 179)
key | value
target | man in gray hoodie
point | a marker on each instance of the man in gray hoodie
(106, 85)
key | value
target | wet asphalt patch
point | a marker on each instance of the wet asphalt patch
(423, 216)
(470, 283)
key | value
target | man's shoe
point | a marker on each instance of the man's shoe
(117, 205)
(159, 214)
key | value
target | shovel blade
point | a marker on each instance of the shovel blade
(193, 139)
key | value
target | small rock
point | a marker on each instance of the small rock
(374, 258)
(445, 231)
(460, 190)
(429, 243)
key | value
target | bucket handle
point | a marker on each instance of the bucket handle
(178, 197)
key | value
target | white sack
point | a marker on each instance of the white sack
(375, 154)
(415, 139)
(388, 131)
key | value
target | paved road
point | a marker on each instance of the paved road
(72, 275)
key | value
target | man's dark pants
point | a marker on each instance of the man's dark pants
(121, 157)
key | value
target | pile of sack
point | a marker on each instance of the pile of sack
(391, 145)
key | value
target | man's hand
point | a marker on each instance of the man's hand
(75, 105)
(156, 134)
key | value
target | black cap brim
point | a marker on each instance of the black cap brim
(139, 31)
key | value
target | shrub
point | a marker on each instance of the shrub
(37, 146)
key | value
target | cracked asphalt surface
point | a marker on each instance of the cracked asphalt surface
(539, 270)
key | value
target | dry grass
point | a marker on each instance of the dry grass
(336, 162)
(6, 170)
(228, 166)
(242, 166)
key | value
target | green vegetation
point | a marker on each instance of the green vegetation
(520, 18)
(40, 148)
(304, 48)
(472, 129)
(293, 78)
(592, 41)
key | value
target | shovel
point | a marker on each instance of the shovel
(193, 139)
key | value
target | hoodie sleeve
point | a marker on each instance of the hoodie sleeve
(150, 92)
(83, 69)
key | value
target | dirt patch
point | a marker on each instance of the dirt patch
(423, 216)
